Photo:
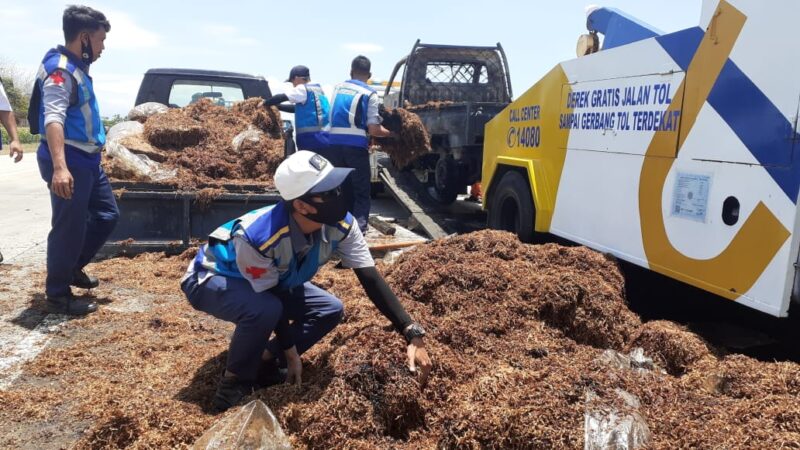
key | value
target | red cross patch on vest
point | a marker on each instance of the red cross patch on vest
(57, 77)
(255, 272)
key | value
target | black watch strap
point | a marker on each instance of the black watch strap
(412, 331)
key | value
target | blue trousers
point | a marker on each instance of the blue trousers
(80, 226)
(359, 181)
(314, 311)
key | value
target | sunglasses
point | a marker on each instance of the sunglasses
(324, 196)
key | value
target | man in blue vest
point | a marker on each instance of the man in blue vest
(354, 118)
(255, 272)
(310, 107)
(64, 108)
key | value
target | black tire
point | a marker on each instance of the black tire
(445, 181)
(511, 207)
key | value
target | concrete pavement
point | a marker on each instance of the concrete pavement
(24, 224)
(24, 211)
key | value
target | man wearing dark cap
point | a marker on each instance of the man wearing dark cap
(354, 117)
(310, 107)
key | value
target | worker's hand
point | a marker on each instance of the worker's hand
(418, 360)
(294, 367)
(62, 183)
(16, 151)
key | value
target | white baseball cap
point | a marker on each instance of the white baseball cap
(306, 172)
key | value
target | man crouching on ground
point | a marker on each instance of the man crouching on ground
(255, 271)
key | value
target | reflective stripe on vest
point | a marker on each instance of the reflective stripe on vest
(267, 229)
(313, 114)
(83, 126)
(347, 126)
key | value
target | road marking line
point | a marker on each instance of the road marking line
(28, 348)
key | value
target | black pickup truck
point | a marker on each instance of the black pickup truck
(161, 217)
(455, 90)
(180, 87)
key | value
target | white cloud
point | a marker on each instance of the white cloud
(245, 42)
(126, 34)
(116, 92)
(362, 47)
(221, 30)
(277, 85)
(17, 23)
(230, 35)
(13, 14)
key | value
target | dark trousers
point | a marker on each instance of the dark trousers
(359, 181)
(80, 225)
(314, 311)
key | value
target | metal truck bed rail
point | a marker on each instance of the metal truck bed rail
(159, 218)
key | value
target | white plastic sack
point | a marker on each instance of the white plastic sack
(252, 427)
(606, 428)
(123, 130)
(636, 360)
(248, 135)
(141, 112)
(138, 165)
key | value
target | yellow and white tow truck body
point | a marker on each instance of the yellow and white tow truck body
(676, 152)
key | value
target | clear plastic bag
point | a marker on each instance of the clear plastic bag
(138, 166)
(253, 426)
(123, 130)
(608, 428)
(249, 135)
(140, 113)
(635, 360)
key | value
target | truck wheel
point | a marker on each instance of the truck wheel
(511, 207)
(446, 180)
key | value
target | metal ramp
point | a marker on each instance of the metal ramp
(435, 219)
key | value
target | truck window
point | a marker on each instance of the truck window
(456, 72)
(185, 92)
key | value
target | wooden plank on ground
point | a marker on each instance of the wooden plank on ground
(403, 237)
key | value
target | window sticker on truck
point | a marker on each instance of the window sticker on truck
(690, 197)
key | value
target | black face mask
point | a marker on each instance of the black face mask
(87, 54)
(332, 209)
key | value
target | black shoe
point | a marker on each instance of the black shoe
(230, 393)
(67, 304)
(1, 257)
(269, 374)
(83, 280)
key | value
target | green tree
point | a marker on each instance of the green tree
(18, 84)
(17, 97)
(109, 122)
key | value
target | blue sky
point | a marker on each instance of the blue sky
(268, 38)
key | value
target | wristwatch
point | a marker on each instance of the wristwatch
(413, 331)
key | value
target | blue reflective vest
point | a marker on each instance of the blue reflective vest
(83, 124)
(312, 119)
(267, 229)
(349, 114)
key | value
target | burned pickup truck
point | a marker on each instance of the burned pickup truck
(454, 90)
